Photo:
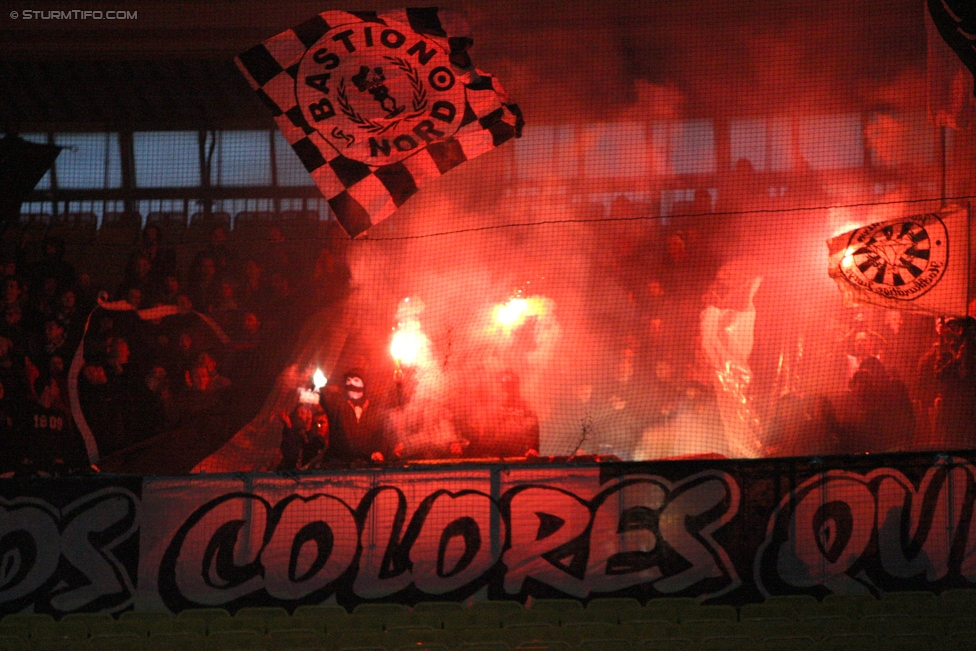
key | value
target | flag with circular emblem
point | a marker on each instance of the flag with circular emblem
(918, 263)
(377, 104)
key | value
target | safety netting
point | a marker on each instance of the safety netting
(675, 233)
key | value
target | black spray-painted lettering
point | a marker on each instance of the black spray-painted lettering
(846, 532)
(639, 530)
(63, 561)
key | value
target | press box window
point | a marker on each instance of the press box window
(166, 159)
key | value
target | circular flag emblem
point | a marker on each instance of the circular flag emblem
(378, 93)
(900, 259)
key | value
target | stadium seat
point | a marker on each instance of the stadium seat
(529, 616)
(287, 640)
(288, 623)
(28, 625)
(401, 637)
(264, 612)
(86, 624)
(962, 623)
(949, 606)
(206, 614)
(330, 233)
(964, 594)
(60, 643)
(356, 638)
(494, 613)
(244, 623)
(462, 619)
(610, 616)
(669, 607)
(520, 633)
(119, 229)
(496, 645)
(373, 621)
(673, 604)
(176, 642)
(435, 612)
(914, 596)
(194, 625)
(319, 618)
(417, 628)
(827, 625)
(43, 626)
(665, 644)
(574, 632)
(251, 226)
(698, 629)
(12, 234)
(765, 627)
(128, 218)
(853, 642)
(613, 603)
(913, 603)
(648, 629)
(880, 625)
(117, 642)
(19, 629)
(383, 610)
(553, 611)
(474, 634)
(612, 644)
(670, 617)
(725, 613)
(299, 224)
(960, 641)
(543, 645)
(140, 622)
(215, 218)
(438, 606)
(74, 228)
(798, 601)
(912, 642)
(237, 641)
(556, 605)
(36, 224)
(789, 643)
(845, 605)
(429, 619)
(726, 643)
(766, 610)
(14, 643)
(611, 610)
(171, 223)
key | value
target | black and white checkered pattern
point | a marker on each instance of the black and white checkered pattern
(362, 195)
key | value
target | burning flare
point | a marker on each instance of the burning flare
(509, 316)
(318, 379)
(410, 346)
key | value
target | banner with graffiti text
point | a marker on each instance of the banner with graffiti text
(721, 531)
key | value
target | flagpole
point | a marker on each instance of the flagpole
(969, 254)
(943, 136)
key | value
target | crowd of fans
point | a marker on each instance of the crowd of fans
(143, 373)
(821, 378)
(196, 352)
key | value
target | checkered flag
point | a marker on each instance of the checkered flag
(375, 105)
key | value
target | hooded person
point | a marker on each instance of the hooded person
(302, 439)
(357, 425)
(880, 416)
(511, 427)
